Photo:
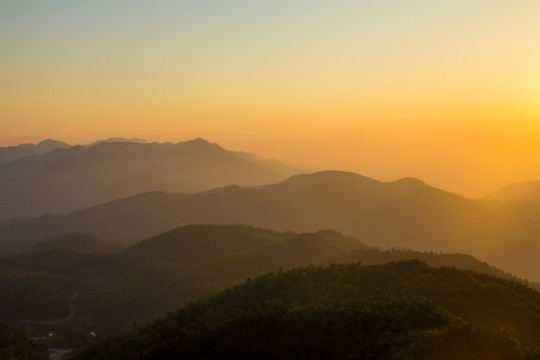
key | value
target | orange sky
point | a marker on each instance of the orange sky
(449, 93)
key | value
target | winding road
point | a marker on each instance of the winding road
(72, 311)
(58, 354)
(55, 354)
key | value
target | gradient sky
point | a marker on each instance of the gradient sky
(447, 91)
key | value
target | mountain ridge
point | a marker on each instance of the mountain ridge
(67, 179)
(382, 214)
(12, 153)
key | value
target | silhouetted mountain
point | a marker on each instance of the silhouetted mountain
(64, 180)
(195, 243)
(522, 191)
(12, 153)
(79, 242)
(403, 310)
(405, 213)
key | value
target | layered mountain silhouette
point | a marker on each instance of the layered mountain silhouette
(406, 214)
(118, 139)
(67, 179)
(12, 153)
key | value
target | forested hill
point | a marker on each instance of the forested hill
(163, 272)
(401, 310)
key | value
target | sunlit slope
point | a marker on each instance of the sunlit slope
(405, 213)
(69, 179)
(398, 310)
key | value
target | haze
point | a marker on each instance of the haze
(449, 93)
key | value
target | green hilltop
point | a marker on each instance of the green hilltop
(401, 310)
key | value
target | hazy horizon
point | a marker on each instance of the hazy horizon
(448, 93)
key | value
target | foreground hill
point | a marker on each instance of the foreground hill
(67, 179)
(406, 213)
(403, 310)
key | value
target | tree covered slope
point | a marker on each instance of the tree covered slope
(165, 271)
(403, 310)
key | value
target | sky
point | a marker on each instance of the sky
(446, 91)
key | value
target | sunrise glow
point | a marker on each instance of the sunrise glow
(448, 93)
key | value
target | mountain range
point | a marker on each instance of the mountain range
(57, 178)
(405, 214)
(12, 153)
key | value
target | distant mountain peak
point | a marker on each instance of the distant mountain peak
(200, 140)
(119, 139)
(322, 178)
(199, 144)
(410, 182)
(332, 175)
(51, 142)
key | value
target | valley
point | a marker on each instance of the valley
(112, 293)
